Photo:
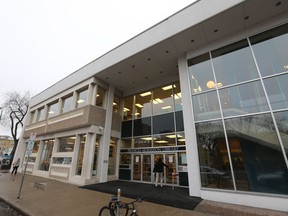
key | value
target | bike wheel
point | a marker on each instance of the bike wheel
(105, 211)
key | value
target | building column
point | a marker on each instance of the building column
(88, 156)
(194, 178)
(105, 138)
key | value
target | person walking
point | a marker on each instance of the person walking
(159, 170)
(15, 166)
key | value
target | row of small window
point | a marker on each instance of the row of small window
(159, 124)
(55, 160)
(72, 101)
(157, 101)
(239, 62)
(169, 139)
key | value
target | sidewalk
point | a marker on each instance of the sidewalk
(60, 199)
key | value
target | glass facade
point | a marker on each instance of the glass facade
(239, 94)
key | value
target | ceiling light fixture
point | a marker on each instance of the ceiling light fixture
(145, 94)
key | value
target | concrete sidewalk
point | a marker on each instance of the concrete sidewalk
(56, 198)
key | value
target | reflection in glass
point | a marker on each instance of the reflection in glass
(179, 121)
(163, 123)
(277, 90)
(126, 129)
(206, 106)
(66, 144)
(200, 72)
(213, 155)
(242, 99)
(53, 109)
(163, 100)
(164, 140)
(46, 155)
(282, 123)
(180, 138)
(257, 159)
(67, 104)
(143, 107)
(82, 98)
(234, 63)
(271, 50)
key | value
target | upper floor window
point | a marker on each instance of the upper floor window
(100, 97)
(52, 109)
(116, 104)
(67, 104)
(82, 98)
(41, 114)
(32, 116)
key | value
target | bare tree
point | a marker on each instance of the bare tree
(15, 108)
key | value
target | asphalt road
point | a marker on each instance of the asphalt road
(5, 210)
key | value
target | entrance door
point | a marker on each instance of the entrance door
(142, 167)
(170, 161)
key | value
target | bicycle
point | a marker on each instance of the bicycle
(114, 206)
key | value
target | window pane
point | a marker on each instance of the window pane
(46, 155)
(163, 123)
(213, 156)
(66, 144)
(80, 155)
(282, 123)
(112, 157)
(200, 73)
(140, 142)
(126, 143)
(277, 90)
(257, 159)
(164, 140)
(143, 107)
(242, 99)
(36, 146)
(41, 114)
(67, 104)
(126, 129)
(142, 126)
(271, 50)
(163, 100)
(128, 108)
(116, 104)
(206, 106)
(52, 110)
(100, 97)
(234, 64)
(179, 121)
(82, 98)
(177, 96)
(181, 139)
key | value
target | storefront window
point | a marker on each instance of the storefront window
(213, 155)
(256, 155)
(46, 154)
(164, 140)
(67, 144)
(140, 142)
(36, 146)
(142, 126)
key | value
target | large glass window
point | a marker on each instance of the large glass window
(53, 109)
(213, 155)
(257, 159)
(234, 63)
(282, 123)
(126, 129)
(67, 104)
(277, 90)
(164, 140)
(80, 155)
(128, 108)
(163, 123)
(177, 96)
(242, 99)
(140, 142)
(142, 126)
(163, 100)
(206, 106)
(271, 50)
(143, 107)
(66, 144)
(46, 154)
(41, 114)
(201, 74)
(82, 98)
(100, 97)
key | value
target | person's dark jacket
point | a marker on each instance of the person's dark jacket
(159, 167)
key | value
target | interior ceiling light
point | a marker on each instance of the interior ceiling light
(171, 136)
(166, 107)
(139, 105)
(157, 101)
(168, 87)
(80, 101)
(210, 84)
(177, 95)
(51, 112)
(126, 109)
(161, 141)
(145, 94)
(286, 67)
(114, 104)
(148, 138)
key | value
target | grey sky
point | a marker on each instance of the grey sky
(43, 41)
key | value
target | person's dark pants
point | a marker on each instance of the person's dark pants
(15, 168)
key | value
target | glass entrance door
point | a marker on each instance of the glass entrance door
(142, 167)
(170, 161)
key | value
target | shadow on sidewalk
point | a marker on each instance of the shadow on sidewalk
(178, 198)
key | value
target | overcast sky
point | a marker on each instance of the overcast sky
(43, 41)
